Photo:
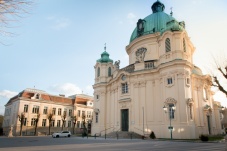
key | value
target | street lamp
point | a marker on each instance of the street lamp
(172, 108)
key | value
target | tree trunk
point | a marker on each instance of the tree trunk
(49, 128)
(35, 128)
(74, 128)
(21, 126)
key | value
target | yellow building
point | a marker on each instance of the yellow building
(160, 75)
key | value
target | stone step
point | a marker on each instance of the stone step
(122, 134)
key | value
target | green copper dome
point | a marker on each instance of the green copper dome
(158, 21)
(104, 58)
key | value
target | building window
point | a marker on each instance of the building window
(65, 112)
(184, 45)
(83, 113)
(97, 97)
(58, 123)
(168, 46)
(98, 72)
(53, 123)
(187, 80)
(25, 122)
(88, 114)
(190, 111)
(169, 80)
(78, 113)
(59, 111)
(33, 121)
(171, 111)
(96, 117)
(45, 110)
(54, 111)
(37, 96)
(205, 94)
(35, 109)
(44, 122)
(70, 112)
(78, 124)
(69, 124)
(109, 71)
(124, 87)
(25, 108)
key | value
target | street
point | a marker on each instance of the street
(47, 143)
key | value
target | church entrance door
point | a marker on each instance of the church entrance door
(124, 120)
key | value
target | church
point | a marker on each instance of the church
(160, 90)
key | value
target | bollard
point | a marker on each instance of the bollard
(95, 136)
(105, 136)
(131, 135)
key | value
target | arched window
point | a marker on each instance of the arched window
(184, 45)
(98, 72)
(171, 111)
(109, 71)
(168, 46)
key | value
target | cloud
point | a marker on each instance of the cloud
(131, 18)
(89, 87)
(59, 23)
(7, 94)
(66, 89)
(89, 90)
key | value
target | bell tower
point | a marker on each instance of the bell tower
(103, 68)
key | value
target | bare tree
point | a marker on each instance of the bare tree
(220, 73)
(63, 118)
(84, 125)
(50, 118)
(21, 119)
(74, 119)
(11, 11)
(36, 122)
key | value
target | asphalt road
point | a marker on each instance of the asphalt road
(47, 143)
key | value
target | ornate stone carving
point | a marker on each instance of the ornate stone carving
(117, 64)
(190, 101)
(140, 54)
(136, 85)
(142, 83)
(170, 101)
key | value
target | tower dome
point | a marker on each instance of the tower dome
(158, 21)
(105, 57)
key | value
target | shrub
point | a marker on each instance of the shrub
(152, 135)
(204, 138)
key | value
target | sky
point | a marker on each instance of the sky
(55, 46)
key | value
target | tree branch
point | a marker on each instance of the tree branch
(219, 86)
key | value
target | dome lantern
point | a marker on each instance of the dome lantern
(158, 7)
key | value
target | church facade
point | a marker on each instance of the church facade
(161, 90)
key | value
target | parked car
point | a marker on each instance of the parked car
(62, 134)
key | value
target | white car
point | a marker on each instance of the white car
(62, 134)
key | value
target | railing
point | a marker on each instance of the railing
(105, 131)
(129, 68)
(142, 132)
(117, 132)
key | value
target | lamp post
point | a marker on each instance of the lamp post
(172, 108)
